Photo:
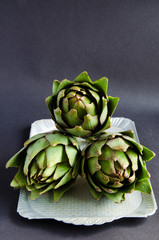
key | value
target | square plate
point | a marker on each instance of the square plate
(77, 206)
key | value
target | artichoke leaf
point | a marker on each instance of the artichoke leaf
(127, 172)
(107, 167)
(71, 118)
(65, 105)
(112, 104)
(57, 193)
(17, 159)
(76, 168)
(41, 160)
(108, 190)
(119, 169)
(74, 142)
(133, 142)
(79, 132)
(63, 84)
(122, 159)
(32, 181)
(58, 117)
(143, 186)
(97, 195)
(129, 133)
(143, 173)
(83, 77)
(60, 96)
(107, 153)
(71, 154)
(133, 158)
(101, 178)
(90, 122)
(54, 155)
(66, 178)
(91, 182)
(128, 188)
(50, 187)
(36, 147)
(91, 109)
(118, 144)
(48, 180)
(40, 185)
(85, 100)
(34, 138)
(55, 85)
(81, 110)
(30, 187)
(95, 149)
(104, 112)
(102, 85)
(116, 185)
(48, 171)
(87, 86)
(61, 170)
(39, 173)
(105, 125)
(131, 179)
(96, 97)
(33, 150)
(93, 165)
(60, 128)
(115, 197)
(75, 88)
(147, 154)
(57, 138)
(19, 179)
(71, 95)
(50, 102)
(108, 135)
(35, 193)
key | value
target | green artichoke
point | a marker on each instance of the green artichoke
(114, 164)
(81, 107)
(47, 162)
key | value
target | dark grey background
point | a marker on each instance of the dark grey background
(45, 40)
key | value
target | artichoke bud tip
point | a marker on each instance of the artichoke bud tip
(131, 190)
(73, 175)
(83, 175)
(98, 189)
(153, 154)
(99, 167)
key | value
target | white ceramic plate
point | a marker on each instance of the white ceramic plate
(77, 206)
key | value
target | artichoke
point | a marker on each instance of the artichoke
(81, 107)
(47, 162)
(114, 164)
